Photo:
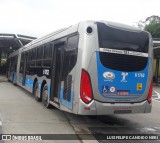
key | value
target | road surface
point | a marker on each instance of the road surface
(21, 114)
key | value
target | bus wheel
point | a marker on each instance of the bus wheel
(13, 78)
(36, 92)
(45, 100)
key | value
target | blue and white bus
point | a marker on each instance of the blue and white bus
(92, 68)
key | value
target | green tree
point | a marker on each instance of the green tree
(152, 25)
(152, 19)
(154, 29)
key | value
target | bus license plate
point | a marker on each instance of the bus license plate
(123, 92)
(122, 111)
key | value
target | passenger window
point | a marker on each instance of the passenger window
(33, 54)
(72, 42)
(47, 63)
(40, 53)
(22, 57)
(22, 63)
(14, 63)
(29, 56)
(48, 51)
(47, 55)
(70, 55)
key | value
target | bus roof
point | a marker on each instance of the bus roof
(74, 28)
(121, 26)
(50, 36)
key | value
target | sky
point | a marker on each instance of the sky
(40, 17)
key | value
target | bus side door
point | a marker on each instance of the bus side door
(57, 68)
(24, 70)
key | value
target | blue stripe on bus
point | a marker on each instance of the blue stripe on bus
(29, 83)
(39, 85)
(49, 86)
(14, 76)
(20, 79)
(65, 102)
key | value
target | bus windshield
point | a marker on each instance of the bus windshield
(114, 38)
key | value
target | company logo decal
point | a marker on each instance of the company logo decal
(112, 89)
(124, 75)
(109, 75)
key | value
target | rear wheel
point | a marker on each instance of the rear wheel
(13, 78)
(45, 97)
(36, 92)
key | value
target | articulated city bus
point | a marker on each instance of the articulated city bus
(92, 68)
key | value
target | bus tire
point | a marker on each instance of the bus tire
(36, 92)
(15, 84)
(13, 78)
(45, 97)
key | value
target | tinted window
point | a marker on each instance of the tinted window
(47, 63)
(113, 38)
(14, 63)
(72, 42)
(28, 56)
(47, 55)
(47, 51)
(70, 55)
(40, 53)
(22, 62)
(22, 57)
(33, 57)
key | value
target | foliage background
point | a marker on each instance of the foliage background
(152, 25)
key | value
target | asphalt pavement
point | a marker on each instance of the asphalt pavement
(156, 92)
(21, 114)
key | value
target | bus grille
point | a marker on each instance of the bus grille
(67, 88)
(123, 62)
